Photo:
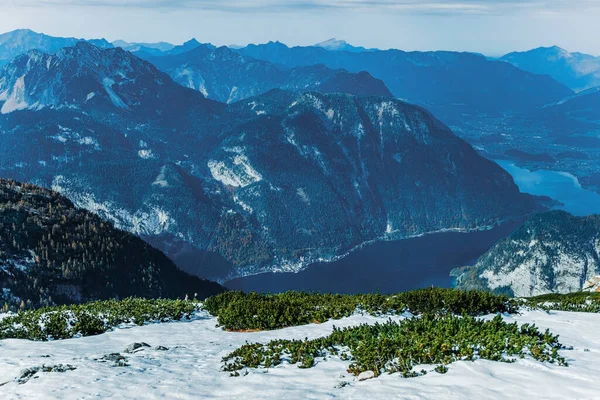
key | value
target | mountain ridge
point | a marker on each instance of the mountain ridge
(224, 75)
(578, 71)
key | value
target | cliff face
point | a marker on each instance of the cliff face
(553, 252)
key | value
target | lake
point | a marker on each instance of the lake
(560, 186)
(386, 267)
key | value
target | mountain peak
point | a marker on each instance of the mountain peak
(82, 76)
(332, 43)
(192, 42)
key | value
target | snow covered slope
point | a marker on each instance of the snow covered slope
(190, 367)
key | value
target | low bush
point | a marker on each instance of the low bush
(579, 301)
(253, 311)
(91, 318)
(400, 346)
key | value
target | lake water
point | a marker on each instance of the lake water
(386, 267)
(560, 186)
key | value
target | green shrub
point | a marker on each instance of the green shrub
(253, 311)
(400, 346)
(579, 301)
(91, 318)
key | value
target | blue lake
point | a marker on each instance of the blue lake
(560, 186)
(386, 267)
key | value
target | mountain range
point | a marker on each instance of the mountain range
(552, 252)
(456, 87)
(273, 182)
(224, 75)
(21, 41)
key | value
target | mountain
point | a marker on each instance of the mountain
(553, 252)
(21, 41)
(456, 87)
(341, 45)
(51, 251)
(87, 77)
(274, 182)
(224, 75)
(576, 70)
(156, 48)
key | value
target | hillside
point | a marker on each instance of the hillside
(553, 252)
(53, 252)
(576, 70)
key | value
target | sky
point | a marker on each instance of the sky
(491, 27)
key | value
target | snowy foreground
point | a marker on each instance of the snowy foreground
(190, 367)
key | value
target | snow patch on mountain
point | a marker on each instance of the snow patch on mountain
(236, 171)
(151, 219)
(116, 100)
(15, 100)
(146, 154)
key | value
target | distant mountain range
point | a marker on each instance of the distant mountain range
(553, 252)
(456, 87)
(224, 75)
(155, 48)
(273, 182)
(576, 70)
(21, 41)
(341, 45)
(53, 252)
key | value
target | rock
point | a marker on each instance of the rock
(113, 357)
(117, 358)
(592, 285)
(161, 348)
(28, 373)
(363, 376)
(135, 347)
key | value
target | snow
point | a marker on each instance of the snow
(116, 100)
(16, 99)
(150, 219)
(146, 154)
(236, 172)
(190, 369)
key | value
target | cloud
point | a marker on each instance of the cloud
(486, 7)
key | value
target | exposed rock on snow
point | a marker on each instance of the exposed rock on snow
(28, 373)
(135, 347)
(363, 376)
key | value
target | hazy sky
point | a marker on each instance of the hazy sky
(492, 27)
